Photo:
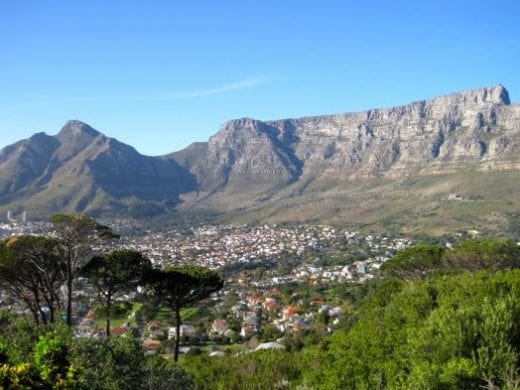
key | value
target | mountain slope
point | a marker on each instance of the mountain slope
(81, 170)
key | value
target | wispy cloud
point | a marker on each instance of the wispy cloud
(236, 86)
(165, 96)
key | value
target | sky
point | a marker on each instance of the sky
(159, 75)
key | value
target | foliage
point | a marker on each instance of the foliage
(162, 374)
(120, 363)
(420, 261)
(116, 272)
(79, 238)
(49, 367)
(51, 359)
(31, 272)
(266, 369)
(483, 254)
(183, 286)
(450, 331)
(111, 364)
(414, 262)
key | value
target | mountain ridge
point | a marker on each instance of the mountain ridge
(252, 167)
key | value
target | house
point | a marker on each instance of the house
(253, 300)
(316, 302)
(219, 326)
(360, 267)
(270, 345)
(275, 292)
(185, 330)
(155, 329)
(289, 312)
(119, 331)
(151, 346)
(247, 331)
(251, 318)
(239, 309)
(325, 308)
(269, 304)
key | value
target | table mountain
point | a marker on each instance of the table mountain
(453, 158)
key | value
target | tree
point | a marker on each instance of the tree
(116, 272)
(182, 286)
(81, 238)
(115, 363)
(415, 262)
(52, 360)
(32, 271)
(162, 374)
(486, 253)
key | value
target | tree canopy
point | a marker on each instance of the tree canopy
(80, 238)
(31, 270)
(415, 262)
(182, 286)
(116, 272)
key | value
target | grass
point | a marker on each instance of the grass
(115, 322)
(166, 314)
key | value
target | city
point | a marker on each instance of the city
(277, 282)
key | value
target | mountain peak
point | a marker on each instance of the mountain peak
(76, 129)
(494, 95)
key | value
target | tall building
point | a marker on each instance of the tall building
(9, 215)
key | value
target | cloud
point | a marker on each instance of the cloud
(223, 89)
(236, 86)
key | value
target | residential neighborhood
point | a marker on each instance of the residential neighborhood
(276, 282)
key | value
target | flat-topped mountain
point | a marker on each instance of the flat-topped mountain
(378, 165)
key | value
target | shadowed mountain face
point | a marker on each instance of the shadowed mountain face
(325, 168)
(81, 170)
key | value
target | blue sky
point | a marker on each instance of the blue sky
(159, 75)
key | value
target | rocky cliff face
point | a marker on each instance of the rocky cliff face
(478, 129)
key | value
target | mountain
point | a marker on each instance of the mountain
(446, 163)
(454, 158)
(81, 170)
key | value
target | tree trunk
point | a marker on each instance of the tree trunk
(70, 277)
(34, 313)
(177, 333)
(38, 306)
(50, 305)
(109, 306)
(69, 301)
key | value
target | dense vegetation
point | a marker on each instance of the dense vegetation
(451, 323)
(47, 357)
(438, 318)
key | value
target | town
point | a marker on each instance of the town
(281, 283)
